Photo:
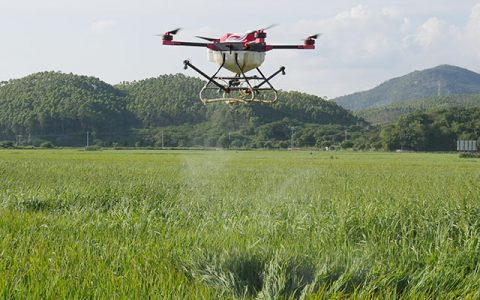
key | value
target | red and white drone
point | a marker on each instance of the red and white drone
(238, 53)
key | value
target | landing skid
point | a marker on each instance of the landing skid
(239, 88)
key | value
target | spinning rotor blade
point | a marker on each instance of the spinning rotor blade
(171, 32)
(206, 38)
(314, 37)
(263, 29)
(174, 32)
(269, 27)
(168, 40)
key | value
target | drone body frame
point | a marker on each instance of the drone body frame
(239, 54)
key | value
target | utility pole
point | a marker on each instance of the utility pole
(88, 136)
(346, 135)
(162, 140)
(229, 140)
(292, 136)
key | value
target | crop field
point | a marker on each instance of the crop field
(229, 225)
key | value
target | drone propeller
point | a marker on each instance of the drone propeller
(269, 27)
(170, 33)
(174, 32)
(314, 37)
(310, 41)
(263, 29)
(206, 38)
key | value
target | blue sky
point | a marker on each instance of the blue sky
(363, 42)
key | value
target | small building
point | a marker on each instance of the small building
(467, 146)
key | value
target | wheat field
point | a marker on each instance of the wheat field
(238, 224)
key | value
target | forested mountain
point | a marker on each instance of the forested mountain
(390, 113)
(56, 107)
(170, 111)
(174, 100)
(165, 111)
(165, 100)
(439, 81)
(55, 103)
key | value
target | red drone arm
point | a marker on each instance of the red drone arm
(309, 44)
(168, 40)
(272, 47)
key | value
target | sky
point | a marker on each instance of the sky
(363, 43)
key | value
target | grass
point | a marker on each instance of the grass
(226, 224)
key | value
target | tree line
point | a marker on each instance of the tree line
(436, 130)
(61, 108)
(165, 111)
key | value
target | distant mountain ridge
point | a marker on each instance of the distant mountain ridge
(66, 106)
(390, 113)
(443, 80)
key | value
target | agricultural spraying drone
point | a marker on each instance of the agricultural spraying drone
(237, 53)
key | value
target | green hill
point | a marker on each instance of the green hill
(390, 113)
(165, 100)
(443, 80)
(62, 107)
(171, 103)
(51, 103)
(173, 100)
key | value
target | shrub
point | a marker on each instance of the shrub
(47, 145)
(93, 148)
(347, 145)
(469, 155)
(6, 144)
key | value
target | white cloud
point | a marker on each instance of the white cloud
(437, 41)
(470, 35)
(475, 14)
(357, 12)
(361, 46)
(360, 36)
(391, 12)
(473, 25)
(375, 44)
(430, 31)
(102, 25)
